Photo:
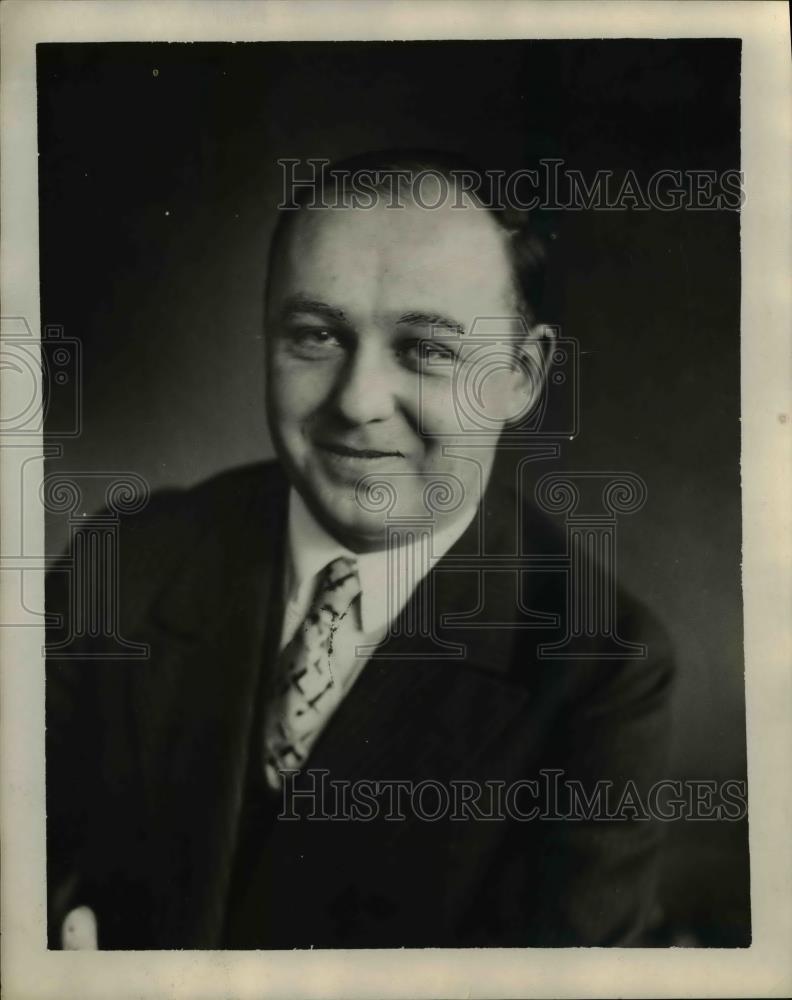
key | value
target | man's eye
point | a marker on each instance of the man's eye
(426, 354)
(313, 342)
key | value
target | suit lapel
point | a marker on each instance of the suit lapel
(195, 701)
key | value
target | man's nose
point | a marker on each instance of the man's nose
(364, 392)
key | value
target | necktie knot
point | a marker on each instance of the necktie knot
(337, 588)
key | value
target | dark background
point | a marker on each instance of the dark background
(158, 185)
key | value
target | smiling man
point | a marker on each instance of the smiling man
(369, 318)
(346, 732)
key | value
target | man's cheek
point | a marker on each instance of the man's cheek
(299, 391)
(476, 399)
(436, 408)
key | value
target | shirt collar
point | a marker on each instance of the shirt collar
(311, 548)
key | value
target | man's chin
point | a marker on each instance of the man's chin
(358, 534)
(340, 512)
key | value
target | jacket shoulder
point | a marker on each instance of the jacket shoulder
(173, 516)
(202, 525)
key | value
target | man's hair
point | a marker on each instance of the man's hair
(397, 175)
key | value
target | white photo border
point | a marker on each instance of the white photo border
(764, 969)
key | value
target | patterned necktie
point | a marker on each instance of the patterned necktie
(308, 681)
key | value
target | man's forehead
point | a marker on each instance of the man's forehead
(404, 224)
(453, 253)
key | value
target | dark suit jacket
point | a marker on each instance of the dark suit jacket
(148, 761)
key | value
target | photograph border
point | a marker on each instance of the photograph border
(764, 969)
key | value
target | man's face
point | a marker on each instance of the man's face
(371, 349)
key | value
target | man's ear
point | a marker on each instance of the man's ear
(532, 360)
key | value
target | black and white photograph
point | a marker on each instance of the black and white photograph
(385, 415)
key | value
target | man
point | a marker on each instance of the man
(334, 631)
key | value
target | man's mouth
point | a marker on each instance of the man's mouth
(345, 451)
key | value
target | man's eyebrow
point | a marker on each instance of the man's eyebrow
(301, 303)
(431, 319)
